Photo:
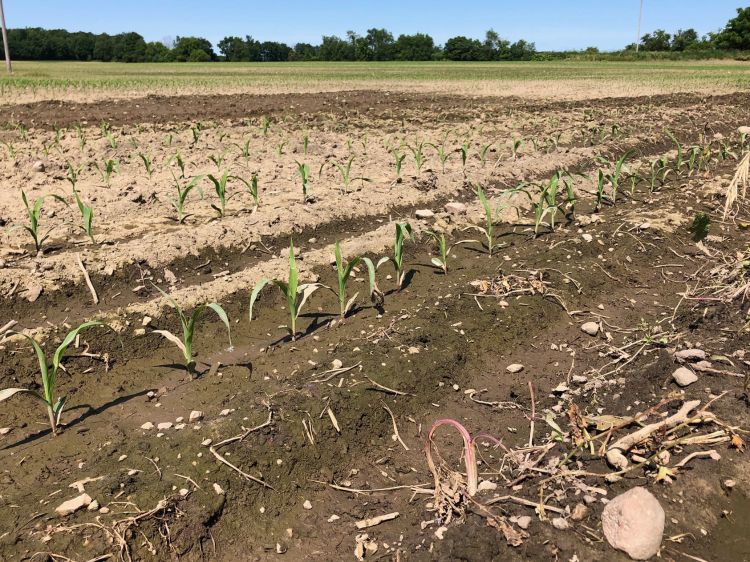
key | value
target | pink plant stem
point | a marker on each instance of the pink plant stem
(472, 478)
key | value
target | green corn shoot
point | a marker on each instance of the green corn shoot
(182, 192)
(217, 159)
(265, 124)
(515, 147)
(81, 136)
(34, 214)
(303, 171)
(107, 170)
(177, 159)
(679, 161)
(252, 187)
(490, 218)
(187, 323)
(403, 231)
(220, 186)
(48, 372)
(417, 152)
(280, 147)
(296, 294)
(464, 149)
(443, 249)
(305, 143)
(398, 160)
(244, 149)
(483, 153)
(343, 272)
(73, 174)
(87, 215)
(147, 164)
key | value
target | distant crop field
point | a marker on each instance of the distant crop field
(561, 80)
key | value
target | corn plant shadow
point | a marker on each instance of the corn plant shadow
(89, 412)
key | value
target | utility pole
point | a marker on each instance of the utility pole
(5, 40)
(637, 39)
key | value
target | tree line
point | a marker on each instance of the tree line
(374, 45)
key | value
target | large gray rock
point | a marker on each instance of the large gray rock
(684, 376)
(634, 523)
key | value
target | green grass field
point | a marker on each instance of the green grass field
(59, 77)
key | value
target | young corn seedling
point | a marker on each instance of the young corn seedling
(280, 147)
(679, 161)
(73, 174)
(177, 159)
(398, 159)
(265, 124)
(443, 249)
(305, 143)
(483, 153)
(296, 294)
(490, 218)
(87, 215)
(464, 149)
(111, 139)
(252, 187)
(547, 203)
(187, 323)
(303, 171)
(220, 186)
(417, 152)
(48, 372)
(346, 170)
(244, 150)
(441, 154)
(195, 130)
(515, 148)
(107, 170)
(182, 192)
(147, 164)
(343, 272)
(81, 136)
(218, 159)
(34, 213)
(403, 231)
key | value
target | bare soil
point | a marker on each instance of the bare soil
(434, 351)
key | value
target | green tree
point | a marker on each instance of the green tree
(736, 34)
(463, 49)
(198, 55)
(234, 49)
(496, 48)
(685, 39)
(336, 49)
(659, 40)
(414, 47)
(184, 47)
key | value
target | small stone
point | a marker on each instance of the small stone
(337, 364)
(104, 510)
(486, 485)
(524, 522)
(206, 442)
(413, 350)
(579, 379)
(122, 458)
(587, 237)
(93, 506)
(333, 518)
(147, 426)
(560, 523)
(164, 425)
(684, 376)
(179, 426)
(455, 208)
(580, 511)
(71, 506)
(440, 532)
(5, 430)
(146, 321)
(729, 484)
(225, 412)
(590, 328)
(139, 332)
(307, 504)
(424, 214)
(184, 492)
(690, 354)
(179, 420)
(634, 523)
(195, 415)
(514, 368)
(218, 489)
(38, 166)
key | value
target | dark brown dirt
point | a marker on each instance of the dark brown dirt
(459, 341)
(350, 104)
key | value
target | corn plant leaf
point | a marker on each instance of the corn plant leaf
(305, 291)
(63, 347)
(350, 304)
(9, 392)
(437, 262)
(254, 295)
(171, 337)
(222, 316)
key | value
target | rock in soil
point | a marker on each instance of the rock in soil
(684, 376)
(514, 368)
(590, 328)
(634, 523)
(424, 214)
(455, 208)
(71, 506)
(691, 354)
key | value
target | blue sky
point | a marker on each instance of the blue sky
(551, 24)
